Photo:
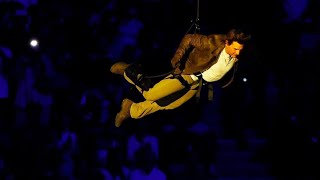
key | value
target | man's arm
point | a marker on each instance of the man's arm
(187, 42)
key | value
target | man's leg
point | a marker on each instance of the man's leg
(142, 109)
(134, 74)
(163, 88)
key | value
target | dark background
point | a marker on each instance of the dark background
(63, 86)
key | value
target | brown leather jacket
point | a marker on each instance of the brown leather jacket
(204, 54)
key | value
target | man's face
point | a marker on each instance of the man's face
(234, 48)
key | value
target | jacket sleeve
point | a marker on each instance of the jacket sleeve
(187, 42)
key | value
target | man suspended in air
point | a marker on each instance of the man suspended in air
(198, 58)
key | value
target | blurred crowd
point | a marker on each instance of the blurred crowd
(58, 99)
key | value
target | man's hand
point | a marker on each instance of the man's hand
(177, 71)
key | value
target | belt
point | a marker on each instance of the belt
(198, 74)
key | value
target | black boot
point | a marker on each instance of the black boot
(135, 73)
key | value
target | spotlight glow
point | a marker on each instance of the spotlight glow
(33, 43)
(244, 79)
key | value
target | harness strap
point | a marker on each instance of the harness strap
(210, 91)
(199, 90)
(210, 88)
(183, 81)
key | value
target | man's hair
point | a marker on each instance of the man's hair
(238, 35)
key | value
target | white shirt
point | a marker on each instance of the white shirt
(219, 69)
